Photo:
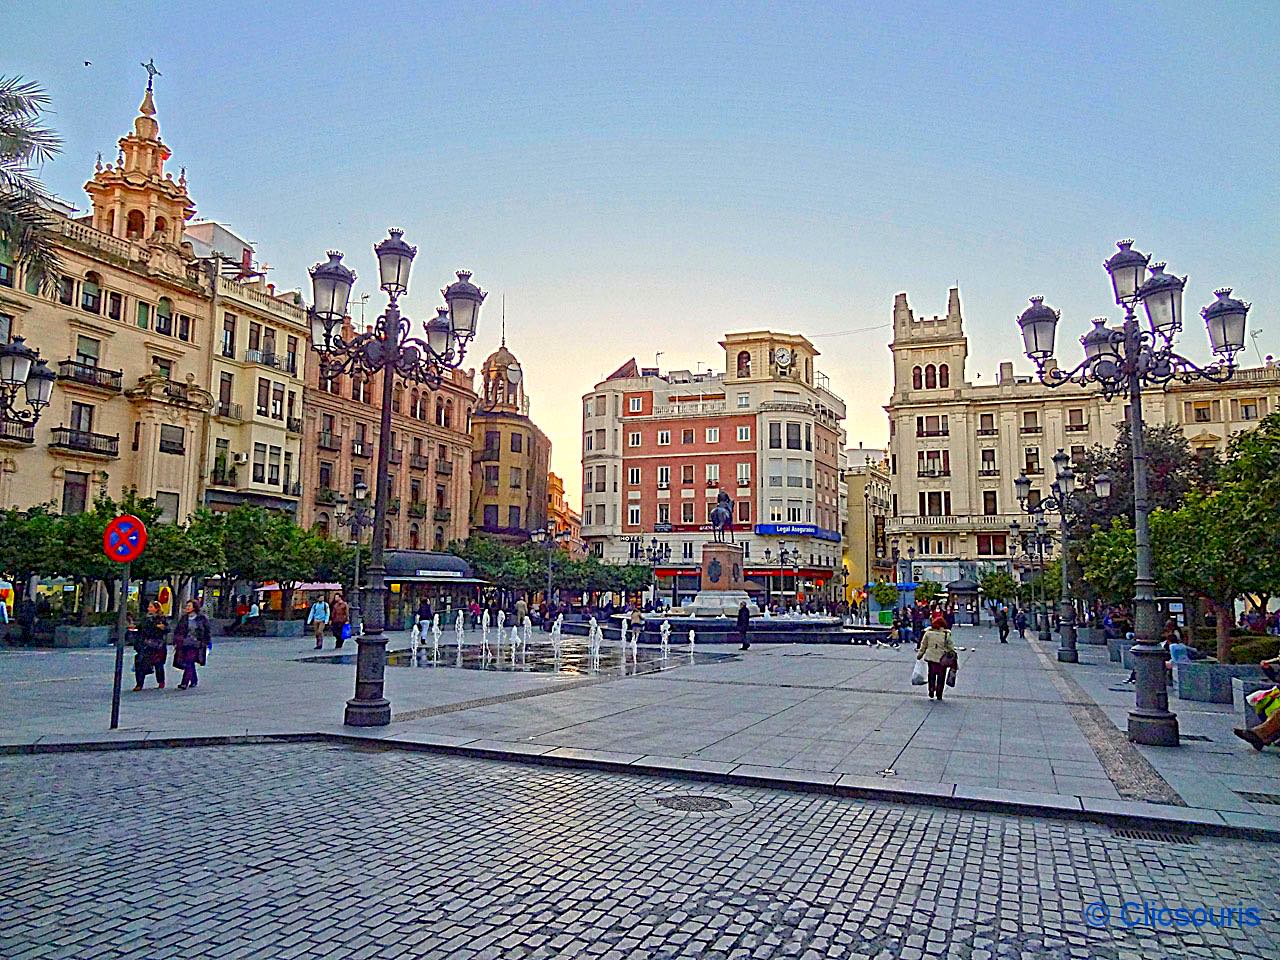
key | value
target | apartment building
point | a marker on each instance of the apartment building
(658, 448)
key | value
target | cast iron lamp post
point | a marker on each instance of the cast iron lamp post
(1062, 499)
(388, 349)
(1033, 544)
(655, 553)
(358, 519)
(22, 369)
(550, 539)
(1121, 362)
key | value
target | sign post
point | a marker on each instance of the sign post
(123, 541)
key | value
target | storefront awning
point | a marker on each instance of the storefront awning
(439, 577)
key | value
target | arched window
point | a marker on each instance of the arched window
(161, 225)
(397, 397)
(414, 538)
(439, 412)
(164, 316)
(322, 523)
(439, 538)
(917, 378)
(111, 222)
(448, 413)
(91, 293)
(930, 377)
(744, 363)
(135, 225)
(944, 376)
(413, 403)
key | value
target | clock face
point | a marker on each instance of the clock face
(783, 357)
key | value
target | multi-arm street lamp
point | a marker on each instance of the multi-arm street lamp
(391, 350)
(1034, 544)
(22, 369)
(1122, 361)
(358, 518)
(655, 553)
(1066, 503)
(551, 539)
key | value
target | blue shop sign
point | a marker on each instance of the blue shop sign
(796, 530)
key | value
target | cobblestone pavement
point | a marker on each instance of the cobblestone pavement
(333, 852)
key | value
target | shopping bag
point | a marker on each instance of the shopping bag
(346, 631)
(951, 677)
(919, 674)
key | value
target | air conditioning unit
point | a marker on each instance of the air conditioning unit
(242, 458)
(664, 485)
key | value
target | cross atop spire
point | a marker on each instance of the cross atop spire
(152, 72)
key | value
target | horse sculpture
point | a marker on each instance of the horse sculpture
(722, 518)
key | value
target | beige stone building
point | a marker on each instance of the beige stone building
(865, 542)
(956, 447)
(127, 330)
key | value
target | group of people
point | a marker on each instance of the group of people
(191, 639)
(1006, 617)
(335, 617)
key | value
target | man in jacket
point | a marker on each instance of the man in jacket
(318, 619)
(340, 614)
(744, 624)
(1002, 623)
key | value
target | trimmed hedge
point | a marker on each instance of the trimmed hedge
(1255, 649)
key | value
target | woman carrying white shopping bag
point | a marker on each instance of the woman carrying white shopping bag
(937, 650)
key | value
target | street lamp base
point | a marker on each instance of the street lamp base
(368, 713)
(1068, 656)
(1153, 729)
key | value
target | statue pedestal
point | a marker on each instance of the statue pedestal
(723, 583)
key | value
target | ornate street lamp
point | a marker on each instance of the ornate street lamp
(656, 553)
(551, 539)
(389, 349)
(21, 369)
(1121, 363)
(357, 518)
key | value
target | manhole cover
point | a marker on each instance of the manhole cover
(694, 804)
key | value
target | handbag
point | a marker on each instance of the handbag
(919, 674)
(950, 661)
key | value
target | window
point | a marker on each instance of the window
(87, 351)
(664, 513)
(664, 477)
(1075, 417)
(172, 439)
(713, 474)
(634, 404)
(744, 474)
(273, 466)
(1248, 409)
(686, 512)
(326, 475)
(744, 400)
(664, 438)
(1033, 499)
(986, 424)
(515, 478)
(491, 477)
(277, 401)
(144, 314)
(686, 436)
(633, 476)
(90, 293)
(6, 327)
(633, 438)
(264, 396)
(944, 376)
(164, 316)
(513, 517)
(492, 441)
(82, 417)
(228, 334)
(1030, 421)
(259, 463)
(917, 378)
(808, 436)
(713, 434)
(1201, 411)
(793, 436)
(744, 434)
(517, 442)
(291, 357)
(6, 266)
(987, 463)
(633, 514)
(115, 306)
(686, 473)
(989, 508)
(775, 436)
(744, 511)
(163, 367)
(491, 515)
(744, 363)
(75, 492)
(991, 545)
(1032, 459)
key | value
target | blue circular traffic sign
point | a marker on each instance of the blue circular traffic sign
(124, 539)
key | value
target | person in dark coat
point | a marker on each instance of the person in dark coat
(149, 647)
(1002, 623)
(744, 624)
(190, 641)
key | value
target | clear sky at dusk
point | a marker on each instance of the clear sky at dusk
(643, 178)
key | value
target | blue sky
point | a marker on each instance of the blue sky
(643, 178)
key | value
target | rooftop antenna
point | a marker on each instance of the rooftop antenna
(656, 357)
(1254, 337)
(504, 319)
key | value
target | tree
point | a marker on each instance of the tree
(180, 553)
(928, 591)
(1173, 471)
(1252, 467)
(884, 594)
(26, 227)
(1109, 558)
(29, 546)
(997, 586)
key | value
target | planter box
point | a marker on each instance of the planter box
(1118, 651)
(286, 628)
(66, 635)
(1241, 687)
(1211, 682)
(1093, 636)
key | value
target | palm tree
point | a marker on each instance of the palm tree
(26, 226)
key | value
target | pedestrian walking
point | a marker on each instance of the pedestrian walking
(424, 615)
(1020, 621)
(149, 647)
(340, 616)
(190, 641)
(937, 650)
(636, 619)
(318, 618)
(522, 611)
(744, 624)
(1002, 624)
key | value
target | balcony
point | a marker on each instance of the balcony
(17, 434)
(326, 496)
(395, 457)
(988, 472)
(933, 433)
(938, 472)
(293, 489)
(361, 448)
(263, 359)
(988, 431)
(223, 477)
(445, 467)
(442, 514)
(418, 462)
(84, 441)
(1032, 429)
(1033, 471)
(330, 441)
(1076, 427)
(393, 508)
(228, 410)
(293, 424)
(89, 375)
(418, 509)
(744, 481)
